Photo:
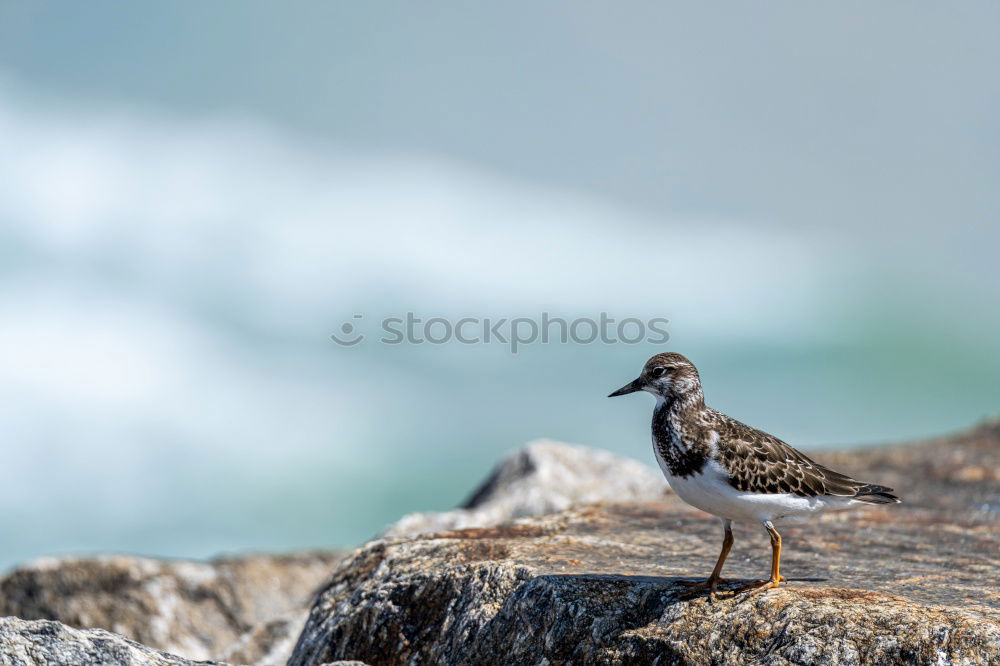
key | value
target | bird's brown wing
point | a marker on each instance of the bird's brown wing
(761, 463)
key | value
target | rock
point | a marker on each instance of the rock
(48, 643)
(193, 609)
(601, 584)
(543, 477)
(270, 642)
(915, 583)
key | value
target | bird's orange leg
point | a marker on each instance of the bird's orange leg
(715, 578)
(776, 577)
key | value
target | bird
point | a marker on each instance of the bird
(733, 471)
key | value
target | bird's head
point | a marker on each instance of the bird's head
(668, 375)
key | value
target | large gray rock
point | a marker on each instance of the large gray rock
(48, 643)
(602, 585)
(194, 609)
(543, 477)
(915, 583)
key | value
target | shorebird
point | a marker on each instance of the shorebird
(735, 472)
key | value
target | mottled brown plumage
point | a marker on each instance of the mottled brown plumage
(762, 463)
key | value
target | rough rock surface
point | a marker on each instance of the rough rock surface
(915, 583)
(48, 643)
(194, 609)
(270, 642)
(543, 477)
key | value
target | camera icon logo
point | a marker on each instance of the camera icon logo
(348, 331)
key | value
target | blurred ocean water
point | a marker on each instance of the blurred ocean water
(168, 286)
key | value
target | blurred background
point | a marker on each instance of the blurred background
(194, 196)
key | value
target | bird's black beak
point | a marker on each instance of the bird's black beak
(631, 387)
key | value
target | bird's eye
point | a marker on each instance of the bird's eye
(658, 372)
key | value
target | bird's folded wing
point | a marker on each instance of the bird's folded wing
(761, 463)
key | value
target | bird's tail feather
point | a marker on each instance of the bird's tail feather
(874, 494)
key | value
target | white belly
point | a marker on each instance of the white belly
(710, 491)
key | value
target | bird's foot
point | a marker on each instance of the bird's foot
(693, 587)
(761, 585)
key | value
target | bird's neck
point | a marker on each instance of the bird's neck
(678, 434)
(682, 407)
(677, 418)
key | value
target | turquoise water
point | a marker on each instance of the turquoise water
(168, 386)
